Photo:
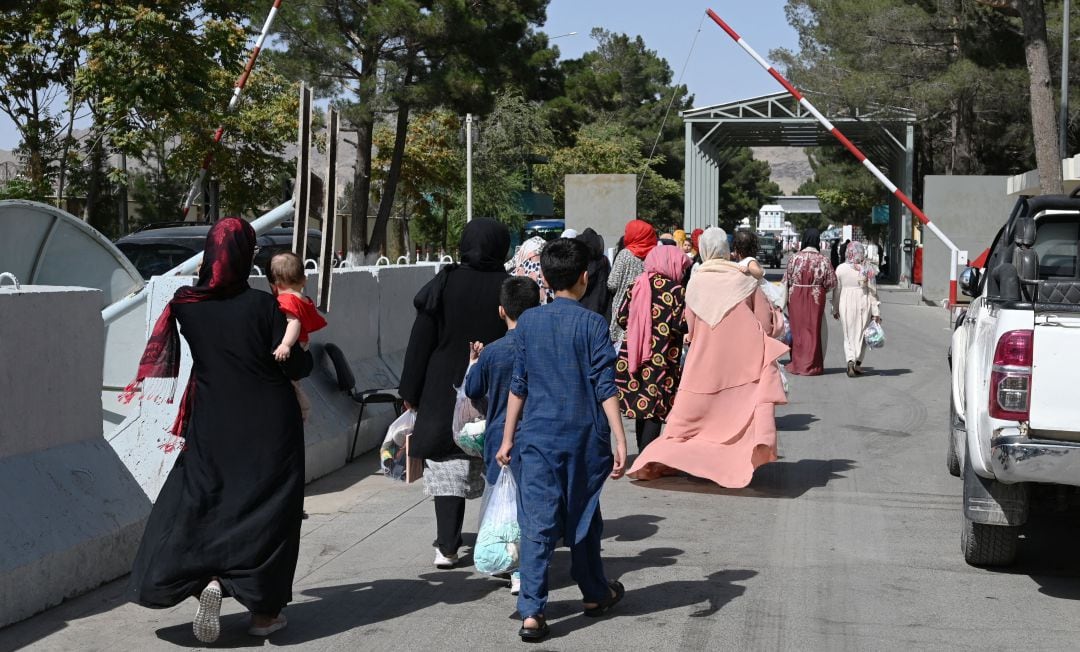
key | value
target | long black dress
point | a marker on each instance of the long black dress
(597, 296)
(460, 305)
(232, 504)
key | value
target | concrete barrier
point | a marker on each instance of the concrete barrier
(970, 209)
(71, 514)
(370, 317)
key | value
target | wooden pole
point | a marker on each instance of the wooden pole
(302, 187)
(326, 253)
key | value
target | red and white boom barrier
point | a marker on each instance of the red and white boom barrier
(196, 187)
(831, 128)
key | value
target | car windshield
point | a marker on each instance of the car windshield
(155, 258)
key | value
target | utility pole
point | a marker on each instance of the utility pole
(468, 167)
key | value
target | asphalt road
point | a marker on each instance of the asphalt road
(850, 542)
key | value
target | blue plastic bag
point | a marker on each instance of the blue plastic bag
(498, 543)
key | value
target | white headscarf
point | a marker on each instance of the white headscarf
(569, 233)
(713, 244)
(718, 285)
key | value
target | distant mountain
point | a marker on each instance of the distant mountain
(790, 166)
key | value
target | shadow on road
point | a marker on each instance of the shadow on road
(646, 603)
(1046, 554)
(794, 422)
(887, 373)
(775, 480)
(614, 567)
(337, 609)
(636, 527)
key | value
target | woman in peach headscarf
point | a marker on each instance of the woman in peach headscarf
(723, 423)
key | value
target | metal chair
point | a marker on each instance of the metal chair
(346, 382)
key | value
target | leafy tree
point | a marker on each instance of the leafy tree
(610, 148)
(404, 55)
(433, 168)
(930, 57)
(1044, 123)
(154, 79)
(623, 82)
(37, 63)
(744, 188)
(846, 192)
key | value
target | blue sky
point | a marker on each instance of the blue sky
(718, 70)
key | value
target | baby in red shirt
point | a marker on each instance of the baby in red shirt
(287, 279)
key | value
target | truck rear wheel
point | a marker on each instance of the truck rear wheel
(989, 545)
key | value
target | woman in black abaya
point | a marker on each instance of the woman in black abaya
(459, 306)
(227, 520)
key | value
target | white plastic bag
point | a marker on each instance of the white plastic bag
(468, 425)
(498, 543)
(874, 335)
(772, 292)
(392, 454)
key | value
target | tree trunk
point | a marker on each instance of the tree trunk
(358, 217)
(66, 149)
(1043, 114)
(401, 132)
(365, 128)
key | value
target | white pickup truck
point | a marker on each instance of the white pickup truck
(1015, 362)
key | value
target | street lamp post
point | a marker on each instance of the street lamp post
(468, 167)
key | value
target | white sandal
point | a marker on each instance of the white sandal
(207, 623)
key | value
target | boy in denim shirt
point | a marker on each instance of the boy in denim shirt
(563, 394)
(491, 370)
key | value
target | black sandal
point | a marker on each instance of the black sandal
(534, 634)
(603, 606)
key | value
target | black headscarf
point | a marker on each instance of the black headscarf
(597, 297)
(811, 238)
(484, 245)
(594, 241)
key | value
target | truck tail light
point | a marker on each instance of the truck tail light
(1010, 378)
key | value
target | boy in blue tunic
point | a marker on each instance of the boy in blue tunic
(491, 370)
(563, 393)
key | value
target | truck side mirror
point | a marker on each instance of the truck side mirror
(969, 281)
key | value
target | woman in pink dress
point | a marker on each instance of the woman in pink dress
(808, 280)
(723, 424)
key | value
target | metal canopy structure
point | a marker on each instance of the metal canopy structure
(886, 135)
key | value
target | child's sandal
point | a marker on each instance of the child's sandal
(533, 634)
(603, 606)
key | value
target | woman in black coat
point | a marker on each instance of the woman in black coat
(458, 307)
(597, 296)
(227, 520)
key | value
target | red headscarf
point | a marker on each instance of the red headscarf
(227, 258)
(669, 262)
(639, 238)
(695, 237)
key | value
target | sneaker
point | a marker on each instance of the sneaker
(279, 624)
(515, 584)
(444, 561)
(207, 623)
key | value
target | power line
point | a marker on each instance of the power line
(671, 102)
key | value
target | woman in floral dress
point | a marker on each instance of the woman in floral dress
(647, 373)
(808, 279)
